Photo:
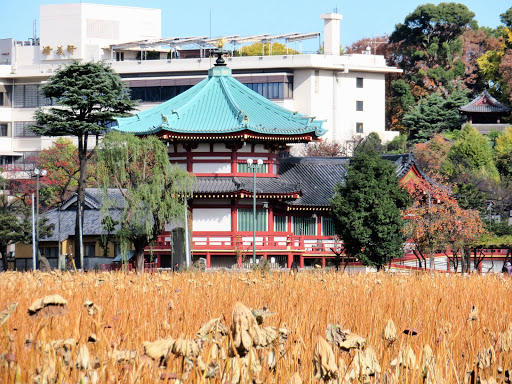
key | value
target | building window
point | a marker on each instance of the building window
(21, 129)
(157, 94)
(304, 225)
(359, 127)
(4, 130)
(359, 105)
(244, 168)
(359, 82)
(2, 99)
(245, 220)
(119, 56)
(272, 90)
(328, 227)
(281, 223)
(89, 249)
(50, 252)
(29, 96)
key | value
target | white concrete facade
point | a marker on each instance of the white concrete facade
(324, 86)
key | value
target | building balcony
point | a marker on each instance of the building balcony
(485, 129)
(310, 245)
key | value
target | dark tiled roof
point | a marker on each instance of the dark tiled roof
(92, 214)
(236, 184)
(92, 222)
(485, 103)
(318, 176)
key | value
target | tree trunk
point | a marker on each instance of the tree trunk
(82, 157)
(139, 254)
(3, 251)
(432, 262)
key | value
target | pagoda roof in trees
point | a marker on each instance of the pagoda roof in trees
(221, 106)
(485, 103)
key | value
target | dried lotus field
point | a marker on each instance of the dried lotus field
(247, 328)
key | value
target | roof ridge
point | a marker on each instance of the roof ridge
(233, 104)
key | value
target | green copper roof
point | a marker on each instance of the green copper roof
(217, 105)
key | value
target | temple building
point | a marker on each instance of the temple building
(222, 131)
(485, 113)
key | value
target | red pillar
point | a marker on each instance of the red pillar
(208, 260)
(301, 261)
(323, 262)
(290, 260)
(265, 256)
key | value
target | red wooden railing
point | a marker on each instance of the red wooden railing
(309, 244)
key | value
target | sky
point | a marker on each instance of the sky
(361, 18)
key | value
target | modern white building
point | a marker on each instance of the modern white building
(346, 91)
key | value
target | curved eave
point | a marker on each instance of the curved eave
(242, 193)
(237, 136)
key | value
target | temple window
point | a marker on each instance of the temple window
(304, 226)
(245, 220)
(281, 223)
(328, 227)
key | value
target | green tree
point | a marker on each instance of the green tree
(88, 96)
(154, 190)
(506, 18)
(260, 49)
(366, 210)
(504, 142)
(370, 143)
(427, 45)
(435, 114)
(469, 155)
(11, 231)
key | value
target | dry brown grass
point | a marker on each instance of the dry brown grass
(134, 309)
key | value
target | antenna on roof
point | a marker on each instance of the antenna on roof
(34, 29)
(336, 9)
(210, 37)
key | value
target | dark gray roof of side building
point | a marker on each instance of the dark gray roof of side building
(485, 103)
(318, 176)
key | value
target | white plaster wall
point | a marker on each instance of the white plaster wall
(331, 95)
(211, 219)
(492, 266)
(211, 168)
(90, 27)
(5, 114)
(5, 145)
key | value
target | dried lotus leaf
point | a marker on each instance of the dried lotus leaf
(53, 305)
(158, 350)
(7, 312)
(366, 364)
(343, 338)
(244, 329)
(389, 332)
(190, 349)
(324, 363)
(214, 327)
(92, 309)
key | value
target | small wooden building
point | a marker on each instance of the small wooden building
(486, 113)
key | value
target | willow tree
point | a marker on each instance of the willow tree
(154, 190)
(87, 96)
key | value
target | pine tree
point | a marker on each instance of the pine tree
(87, 96)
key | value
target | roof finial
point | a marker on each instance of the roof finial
(220, 53)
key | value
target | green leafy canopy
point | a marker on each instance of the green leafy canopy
(367, 210)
